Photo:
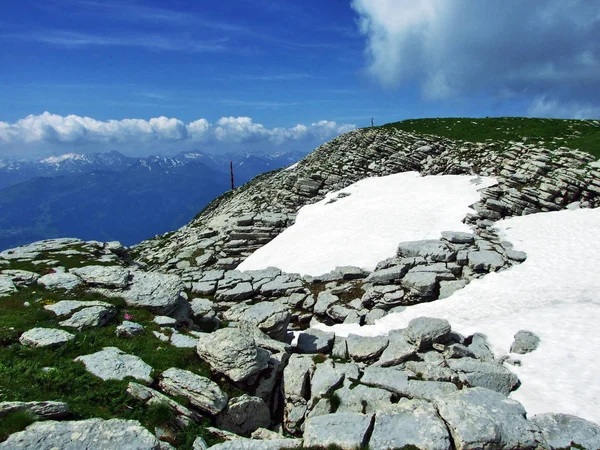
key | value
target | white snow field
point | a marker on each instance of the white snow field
(555, 293)
(366, 226)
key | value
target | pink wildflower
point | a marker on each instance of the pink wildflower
(128, 316)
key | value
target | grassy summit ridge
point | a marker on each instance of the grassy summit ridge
(583, 135)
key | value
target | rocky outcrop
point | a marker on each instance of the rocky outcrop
(114, 364)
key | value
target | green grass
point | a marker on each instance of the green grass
(583, 135)
(13, 422)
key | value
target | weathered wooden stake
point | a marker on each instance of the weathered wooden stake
(231, 171)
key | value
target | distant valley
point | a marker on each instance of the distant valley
(109, 196)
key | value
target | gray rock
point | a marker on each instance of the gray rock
(325, 379)
(324, 300)
(458, 237)
(480, 418)
(181, 340)
(351, 272)
(65, 308)
(240, 291)
(432, 250)
(253, 444)
(45, 337)
(490, 375)
(157, 292)
(428, 390)
(430, 372)
(397, 351)
(563, 431)
(244, 415)
(60, 280)
(388, 275)
(42, 410)
(200, 391)
(271, 318)
(129, 329)
(92, 317)
(297, 375)
(447, 288)
(104, 276)
(233, 353)
(516, 255)
(315, 341)
(389, 379)
(165, 321)
(83, 434)
(525, 342)
(423, 284)
(7, 286)
(111, 363)
(204, 287)
(485, 261)
(480, 347)
(20, 277)
(409, 424)
(151, 397)
(202, 307)
(363, 348)
(425, 331)
(280, 286)
(362, 399)
(346, 430)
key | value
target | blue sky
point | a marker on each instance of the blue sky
(277, 74)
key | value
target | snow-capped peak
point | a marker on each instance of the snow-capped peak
(61, 158)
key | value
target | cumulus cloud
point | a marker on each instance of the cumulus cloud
(543, 106)
(55, 130)
(452, 48)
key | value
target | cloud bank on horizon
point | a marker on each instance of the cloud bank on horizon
(48, 131)
(546, 52)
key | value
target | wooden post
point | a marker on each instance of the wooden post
(231, 171)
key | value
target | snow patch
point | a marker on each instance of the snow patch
(555, 293)
(365, 227)
(61, 158)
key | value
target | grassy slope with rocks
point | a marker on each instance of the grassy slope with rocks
(50, 374)
(581, 135)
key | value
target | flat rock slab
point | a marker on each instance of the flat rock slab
(409, 424)
(65, 308)
(203, 393)
(253, 444)
(157, 292)
(60, 280)
(104, 276)
(232, 352)
(46, 410)
(7, 286)
(83, 435)
(346, 430)
(563, 431)
(113, 364)
(45, 337)
(364, 348)
(271, 318)
(481, 418)
(92, 317)
(385, 378)
(152, 397)
(425, 331)
(244, 415)
(315, 341)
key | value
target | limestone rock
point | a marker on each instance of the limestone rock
(7, 286)
(485, 261)
(346, 430)
(104, 276)
(111, 363)
(364, 348)
(94, 316)
(315, 341)
(389, 379)
(525, 342)
(490, 375)
(129, 329)
(409, 424)
(45, 337)
(152, 397)
(480, 418)
(271, 318)
(43, 410)
(60, 280)
(244, 415)
(233, 353)
(83, 434)
(158, 292)
(397, 351)
(425, 331)
(200, 391)
(562, 431)
(253, 444)
(65, 308)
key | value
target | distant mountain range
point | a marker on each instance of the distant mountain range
(109, 196)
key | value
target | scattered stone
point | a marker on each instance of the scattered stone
(485, 261)
(113, 364)
(490, 375)
(42, 410)
(244, 415)
(481, 418)
(346, 430)
(45, 337)
(271, 318)
(363, 348)
(157, 292)
(65, 308)
(83, 434)
(200, 391)
(60, 280)
(103, 276)
(152, 397)
(398, 351)
(425, 331)
(525, 342)
(165, 321)
(92, 317)
(409, 424)
(233, 353)
(129, 329)
(7, 286)
(315, 341)
(181, 340)
(563, 431)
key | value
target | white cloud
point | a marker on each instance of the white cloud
(543, 106)
(55, 130)
(452, 48)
